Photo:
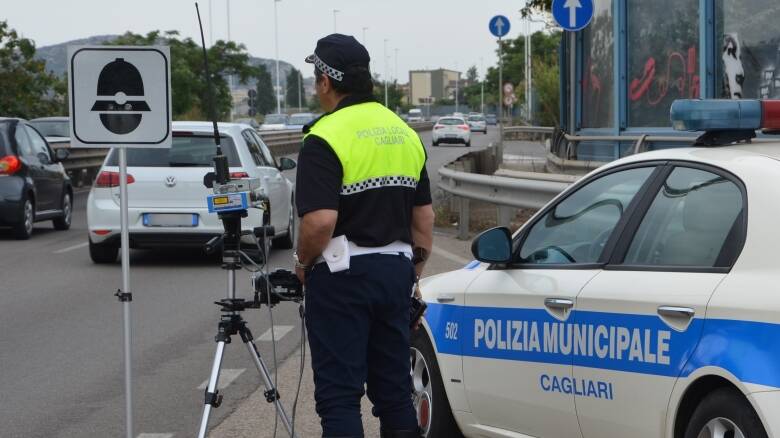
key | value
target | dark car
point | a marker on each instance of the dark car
(33, 184)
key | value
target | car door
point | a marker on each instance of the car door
(272, 180)
(34, 167)
(644, 313)
(52, 175)
(517, 339)
(277, 175)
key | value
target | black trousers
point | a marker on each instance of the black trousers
(358, 327)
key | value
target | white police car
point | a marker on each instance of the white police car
(641, 302)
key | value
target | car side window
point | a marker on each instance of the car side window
(38, 143)
(254, 148)
(578, 227)
(688, 222)
(266, 152)
(23, 144)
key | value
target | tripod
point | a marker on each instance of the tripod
(232, 323)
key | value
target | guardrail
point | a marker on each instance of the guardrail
(83, 164)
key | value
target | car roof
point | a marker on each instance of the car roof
(51, 119)
(208, 127)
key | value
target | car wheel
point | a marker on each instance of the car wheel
(103, 253)
(434, 414)
(725, 413)
(24, 228)
(63, 222)
(435, 143)
(468, 144)
(287, 241)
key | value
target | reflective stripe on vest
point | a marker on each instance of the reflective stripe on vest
(375, 147)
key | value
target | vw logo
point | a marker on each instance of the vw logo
(170, 181)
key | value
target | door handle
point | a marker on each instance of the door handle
(444, 298)
(676, 311)
(558, 303)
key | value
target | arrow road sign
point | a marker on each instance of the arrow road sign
(499, 26)
(572, 15)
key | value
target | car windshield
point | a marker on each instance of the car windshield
(52, 128)
(450, 121)
(476, 119)
(300, 120)
(275, 119)
(187, 151)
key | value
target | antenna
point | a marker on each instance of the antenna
(221, 168)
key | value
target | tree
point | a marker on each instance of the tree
(264, 102)
(395, 96)
(189, 91)
(295, 89)
(27, 89)
(532, 6)
(471, 75)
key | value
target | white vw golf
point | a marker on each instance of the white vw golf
(167, 198)
(641, 302)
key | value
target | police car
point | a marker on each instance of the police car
(641, 302)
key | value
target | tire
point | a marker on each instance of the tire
(428, 392)
(103, 253)
(468, 144)
(725, 410)
(63, 223)
(287, 241)
(23, 229)
(435, 143)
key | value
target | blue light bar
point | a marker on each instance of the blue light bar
(716, 114)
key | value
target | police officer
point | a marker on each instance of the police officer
(361, 189)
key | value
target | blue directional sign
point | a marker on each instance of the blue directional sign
(572, 15)
(499, 26)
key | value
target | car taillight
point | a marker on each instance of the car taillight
(9, 165)
(464, 127)
(237, 175)
(108, 179)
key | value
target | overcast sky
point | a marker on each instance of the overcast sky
(427, 33)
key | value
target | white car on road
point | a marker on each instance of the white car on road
(477, 123)
(451, 130)
(167, 198)
(640, 302)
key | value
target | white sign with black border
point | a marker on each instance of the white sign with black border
(119, 96)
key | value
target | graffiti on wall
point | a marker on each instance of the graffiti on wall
(680, 78)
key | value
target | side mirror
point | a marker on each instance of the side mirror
(493, 246)
(286, 163)
(61, 154)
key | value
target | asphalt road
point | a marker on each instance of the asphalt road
(61, 333)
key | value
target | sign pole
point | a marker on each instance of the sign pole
(124, 295)
(500, 102)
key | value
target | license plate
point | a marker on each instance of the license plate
(170, 220)
(452, 135)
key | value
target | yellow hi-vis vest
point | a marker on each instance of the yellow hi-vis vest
(375, 147)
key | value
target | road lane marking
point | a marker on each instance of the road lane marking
(155, 435)
(279, 331)
(226, 377)
(71, 248)
(450, 256)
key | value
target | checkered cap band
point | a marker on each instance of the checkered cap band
(325, 68)
(378, 183)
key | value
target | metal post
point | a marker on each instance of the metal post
(457, 86)
(364, 36)
(464, 216)
(335, 11)
(530, 77)
(395, 70)
(572, 82)
(124, 296)
(504, 214)
(300, 104)
(500, 102)
(386, 100)
(276, 49)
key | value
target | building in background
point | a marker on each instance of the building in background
(439, 84)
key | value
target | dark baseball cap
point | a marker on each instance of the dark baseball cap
(337, 54)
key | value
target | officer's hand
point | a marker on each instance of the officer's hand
(418, 294)
(301, 274)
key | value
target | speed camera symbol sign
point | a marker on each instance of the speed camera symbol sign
(119, 96)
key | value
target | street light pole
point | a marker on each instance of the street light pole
(230, 77)
(386, 100)
(335, 11)
(300, 105)
(364, 36)
(482, 84)
(276, 48)
(457, 87)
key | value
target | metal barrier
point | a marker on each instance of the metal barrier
(83, 164)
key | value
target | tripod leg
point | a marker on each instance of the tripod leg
(212, 397)
(271, 394)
